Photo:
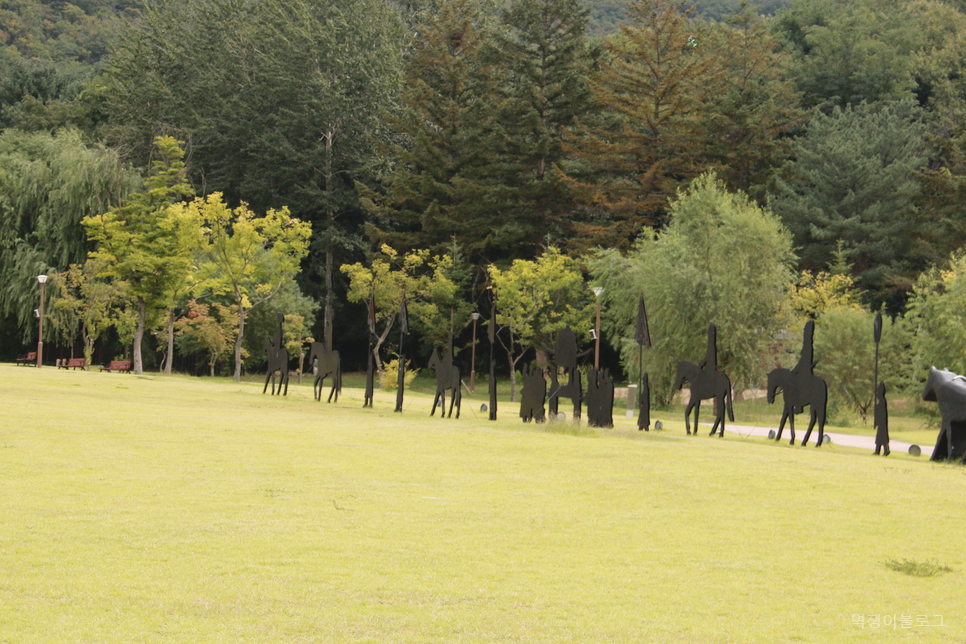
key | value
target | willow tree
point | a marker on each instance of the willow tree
(722, 260)
(48, 184)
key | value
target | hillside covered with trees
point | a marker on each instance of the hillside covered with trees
(449, 140)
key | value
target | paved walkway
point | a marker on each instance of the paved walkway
(849, 440)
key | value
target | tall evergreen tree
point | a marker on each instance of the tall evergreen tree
(423, 205)
(852, 183)
(541, 86)
(627, 168)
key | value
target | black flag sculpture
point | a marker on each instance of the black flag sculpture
(447, 377)
(706, 381)
(277, 358)
(534, 395)
(949, 390)
(492, 338)
(565, 357)
(643, 337)
(600, 398)
(326, 363)
(403, 332)
(370, 364)
(800, 388)
(881, 416)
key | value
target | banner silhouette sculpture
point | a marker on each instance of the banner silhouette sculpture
(491, 333)
(447, 377)
(706, 382)
(600, 398)
(800, 388)
(881, 410)
(643, 337)
(326, 363)
(534, 395)
(881, 416)
(277, 358)
(403, 332)
(949, 390)
(565, 357)
(370, 363)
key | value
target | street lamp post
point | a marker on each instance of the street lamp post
(476, 316)
(40, 334)
(598, 291)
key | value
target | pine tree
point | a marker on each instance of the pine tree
(628, 167)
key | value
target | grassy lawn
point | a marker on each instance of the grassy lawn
(152, 509)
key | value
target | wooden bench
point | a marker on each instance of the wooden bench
(75, 363)
(30, 358)
(117, 365)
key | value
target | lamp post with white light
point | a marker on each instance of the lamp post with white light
(475, 316)
(598, 291)
(40, 335)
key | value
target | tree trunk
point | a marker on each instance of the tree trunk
(139, 336)
(238, 342)
(169, 333)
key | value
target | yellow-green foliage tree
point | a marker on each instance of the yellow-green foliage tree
(88, 299)
(937, 312)
(245, 256)
(213, 334)
(147, 242)
(432, 286)
(534, 300)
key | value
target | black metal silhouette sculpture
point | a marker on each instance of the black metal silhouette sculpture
(643, 337)
(800, 388)
(492, 337)
(447, 377)
(403, 332)
(706, 381)
(370, 363)
(600, 398)
(277, 358)
(565, 357)
(534, 395)
(327, 363)
(949, 390)
(881, 416)
(881, 409)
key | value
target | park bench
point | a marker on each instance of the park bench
(72, 363)
(29, 358)
(117, 365)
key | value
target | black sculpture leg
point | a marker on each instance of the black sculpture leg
(436, 402)
(821, 430)
(808, 433)
(697, 411)
(949, 443)
(781, 426)
(270, 376)
(687, 418)
(459, 401)
(791, 425)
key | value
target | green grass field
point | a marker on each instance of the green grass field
(153, 509)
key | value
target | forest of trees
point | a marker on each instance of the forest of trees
(466, 137)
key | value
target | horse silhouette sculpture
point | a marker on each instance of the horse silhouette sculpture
(565, 357)
(949, 390)
(534, 395)
(706, 381)
(705, 384)
(277, 358)
(447, 377)
(800, 388)
(329, 364)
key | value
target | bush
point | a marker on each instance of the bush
(390, 374)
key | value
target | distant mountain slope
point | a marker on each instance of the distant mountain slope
(606, 15)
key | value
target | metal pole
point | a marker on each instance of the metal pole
(40, 335)
(597, 342)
